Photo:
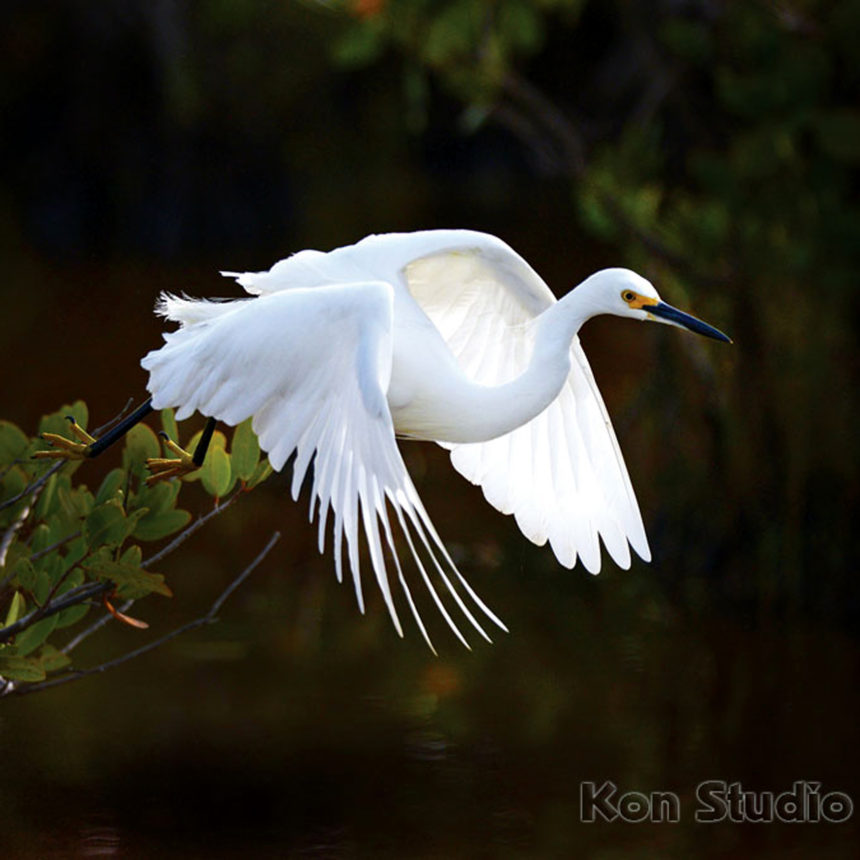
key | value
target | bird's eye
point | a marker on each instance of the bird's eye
(628, 295)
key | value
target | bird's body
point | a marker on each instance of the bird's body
(442, 335)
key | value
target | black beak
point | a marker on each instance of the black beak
(675, 317)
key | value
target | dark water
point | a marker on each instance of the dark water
(270, 736)
(295, 727)
(298, 728)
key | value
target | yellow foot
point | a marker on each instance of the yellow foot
(165, 468)
(66, 449)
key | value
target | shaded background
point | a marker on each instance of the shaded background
(713, 147)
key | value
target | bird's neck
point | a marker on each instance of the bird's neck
(486, 412)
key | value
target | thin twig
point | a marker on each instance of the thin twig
(94, 628)
(187, 532)
(209, 618)
(37, 484)
(179, 539)
(71, 598)
(43, 552)
(116, 419)
(57, 585)
(554, 120)
(572, 147)
(9, 536)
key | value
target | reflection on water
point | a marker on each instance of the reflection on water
(354, 744)
(99, 839)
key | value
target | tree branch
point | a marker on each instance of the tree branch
(71, 598)
(31, 488)
(8, 537)
(179, 539)
(43, 552)
(39, 482)
(189, 530)
(210, 617)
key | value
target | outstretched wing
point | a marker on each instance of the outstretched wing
(561, 475)
(312, 367)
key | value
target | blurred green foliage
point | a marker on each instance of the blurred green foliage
(64, 546)
(716, 146)
(712, 146)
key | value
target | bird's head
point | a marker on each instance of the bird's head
(626, 294)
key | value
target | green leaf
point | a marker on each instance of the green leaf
(360, 45)
(141, 443)
(25, 573)
(49, 569)
(13, 483)
(244, 451)
(51, 659)
(157, 525)
(520, 25)
(48, 499)
(216, 473)
(839, 134)
(168, 424)
(131, 580)
(74, 504)
(263, 470)
(218, 440)
(108, 525)
(21, 668)
(13, 442)
(132, 556)
(57, 421)
(42, 586)
(452, 33)
(72, 615)
(31, 638)
(75, 551)
(16, 608)
(111, 487)
(158, 498)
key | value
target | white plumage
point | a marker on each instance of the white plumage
(445, 335)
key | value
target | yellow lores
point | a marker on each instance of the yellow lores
(638, 302)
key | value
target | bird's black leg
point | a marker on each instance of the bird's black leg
(162, 468)
(203, 445)
(107, 439)
(87, 446)
(183, 463)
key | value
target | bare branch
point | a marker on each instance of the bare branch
(115, 420)
(40, 482)
(179, 539)
(566, 135)
(71, 598)
(539, 110)
(53, 546)
(187, 532)
(36, 485)
(8, 537)
(209, 618)
(85, 592)
(93, 628)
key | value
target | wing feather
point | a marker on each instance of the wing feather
(272, 358)
(562, 475)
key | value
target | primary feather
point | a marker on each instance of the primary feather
(434, 335)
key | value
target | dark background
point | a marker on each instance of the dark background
(713, 147)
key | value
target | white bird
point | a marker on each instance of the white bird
(442, 335)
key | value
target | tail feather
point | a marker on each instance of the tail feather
(188, 311)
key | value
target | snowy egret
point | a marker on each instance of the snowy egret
(441, 335)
